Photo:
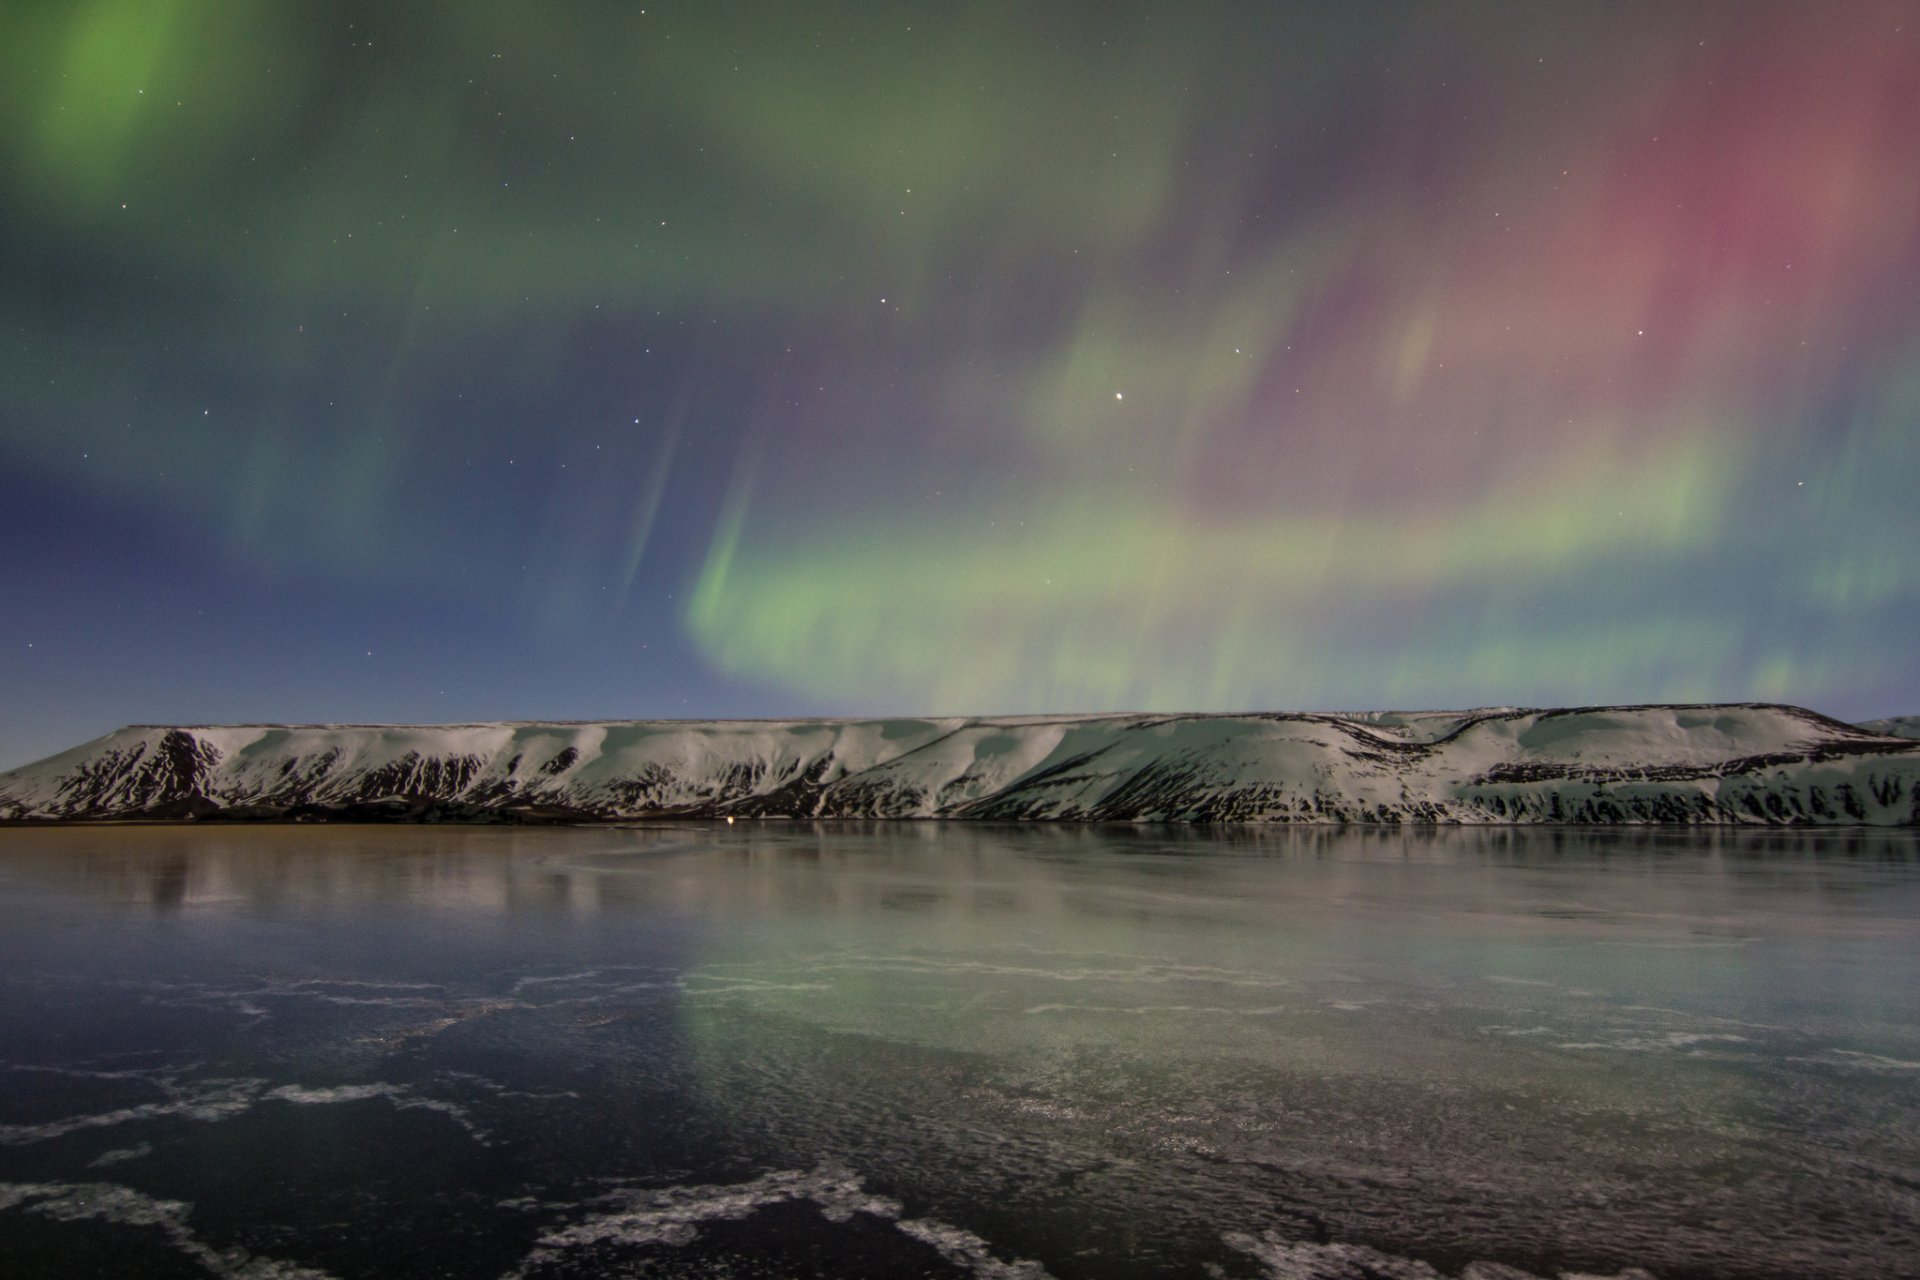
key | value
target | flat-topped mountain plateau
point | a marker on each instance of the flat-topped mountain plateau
(1745, 763)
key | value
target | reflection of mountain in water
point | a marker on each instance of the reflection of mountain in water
(1738, 763)
(1039, 870)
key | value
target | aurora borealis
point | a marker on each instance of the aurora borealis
(470, 360)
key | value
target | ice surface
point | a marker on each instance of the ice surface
(984, 1050)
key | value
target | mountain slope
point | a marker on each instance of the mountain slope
(1738, 763)
(1894, 726)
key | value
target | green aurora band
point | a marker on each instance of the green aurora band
(1006, 357)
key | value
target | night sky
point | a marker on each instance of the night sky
(463, 360)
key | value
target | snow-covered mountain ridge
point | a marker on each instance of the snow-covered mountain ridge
(1893, 726)
(1734, 763)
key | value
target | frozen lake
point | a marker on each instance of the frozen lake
(794, 1050)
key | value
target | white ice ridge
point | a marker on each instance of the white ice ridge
(1296, 1260)
(112, 1203)
(210, 1101)
(673, 1216)
(1746, 763)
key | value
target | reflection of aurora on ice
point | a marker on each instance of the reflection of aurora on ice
(1182, 1040)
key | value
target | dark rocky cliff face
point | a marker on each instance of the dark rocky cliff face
(165, 778)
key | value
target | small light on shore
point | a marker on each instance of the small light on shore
(729, 819)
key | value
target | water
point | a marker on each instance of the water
(783, 1050)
